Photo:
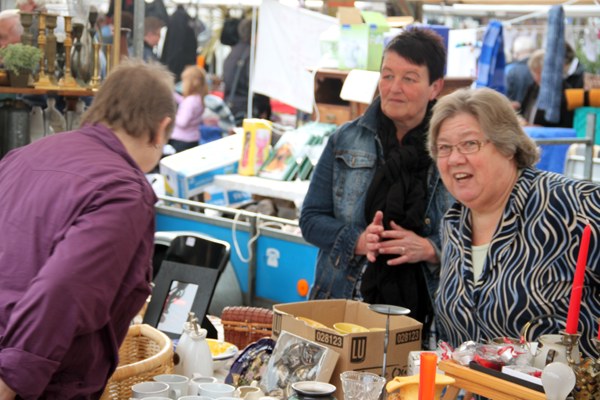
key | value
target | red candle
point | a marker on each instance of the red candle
(575, 302)
(598, 329)
(427, 376)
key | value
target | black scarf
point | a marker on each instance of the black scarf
(399, 189)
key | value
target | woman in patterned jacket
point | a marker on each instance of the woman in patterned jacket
(510, 243)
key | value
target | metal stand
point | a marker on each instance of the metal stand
(387, 310)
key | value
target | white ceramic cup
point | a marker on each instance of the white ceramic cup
(157, 398)
(228, 398)
(193, 397)
(178, 384)
(196, 381)
(150, 389)
(216, 390)
(249, 392)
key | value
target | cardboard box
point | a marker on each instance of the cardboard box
(361, 38)
(358, 351)
(187, 173)
(227, 198)
(256, 145)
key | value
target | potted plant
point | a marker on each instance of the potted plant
(20, 60)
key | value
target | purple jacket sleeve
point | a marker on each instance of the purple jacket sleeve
(77, 289)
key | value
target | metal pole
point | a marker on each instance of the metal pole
(252, 52)
(117, 33)
(590, 134)
(139, 8)
(252, 261)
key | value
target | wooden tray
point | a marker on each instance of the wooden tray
(484, 384)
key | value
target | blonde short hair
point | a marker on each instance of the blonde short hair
(496, 117)
(135, 97)
(197, 79)
(536, 61)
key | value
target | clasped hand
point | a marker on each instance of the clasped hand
(407, 245)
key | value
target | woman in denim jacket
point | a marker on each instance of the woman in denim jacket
(379, 162)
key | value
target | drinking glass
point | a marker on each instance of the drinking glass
(361, 385)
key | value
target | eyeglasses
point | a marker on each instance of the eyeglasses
(465, 147)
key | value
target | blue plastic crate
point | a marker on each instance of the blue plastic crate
(580, 121)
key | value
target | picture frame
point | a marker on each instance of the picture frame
(179, 289)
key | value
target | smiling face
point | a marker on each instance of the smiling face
(405, 91)
(482, 180)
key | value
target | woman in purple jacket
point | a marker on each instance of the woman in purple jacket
(76, 239)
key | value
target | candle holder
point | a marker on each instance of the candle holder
(95, 82)
(42, 80)
(571, 343)
(51, 47)
(109, 58)
(587, 376)
(27, 21)
(67, 79)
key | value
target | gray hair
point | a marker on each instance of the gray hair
(496, 117)
(37, 4)
(14, 17)
(523, 46)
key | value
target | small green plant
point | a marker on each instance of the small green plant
(591, 66)
(18, 57)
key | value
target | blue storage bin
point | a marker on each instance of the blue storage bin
(580, 121)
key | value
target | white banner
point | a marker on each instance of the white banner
(287, 46)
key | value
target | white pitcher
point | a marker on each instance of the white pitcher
(551, 349)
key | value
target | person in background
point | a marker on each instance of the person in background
(76, 239)
(376, 168)
(179, 49)
(530, 114)
(10, 27)
(510, 243)
(518, 77)
(186, 133)
(573, 69)
(152, 27)
(31, 5)
(236, 78)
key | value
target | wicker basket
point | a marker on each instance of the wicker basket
(244, 325)
(145, 353)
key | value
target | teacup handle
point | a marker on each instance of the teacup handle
(176, 393)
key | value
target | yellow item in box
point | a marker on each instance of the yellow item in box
(256, 145)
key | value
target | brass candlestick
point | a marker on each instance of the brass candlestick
(109, 58)
(42, 77)
(67, 79)
(95, 83)
(571, 342)
(51, 47)
(587, 386)
(26, 20)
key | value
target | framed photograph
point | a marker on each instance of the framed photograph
(179, 289)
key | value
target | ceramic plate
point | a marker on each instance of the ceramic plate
(312, 322)
(308, 388)
(221, 350)
(347, 327)
(249, 365)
